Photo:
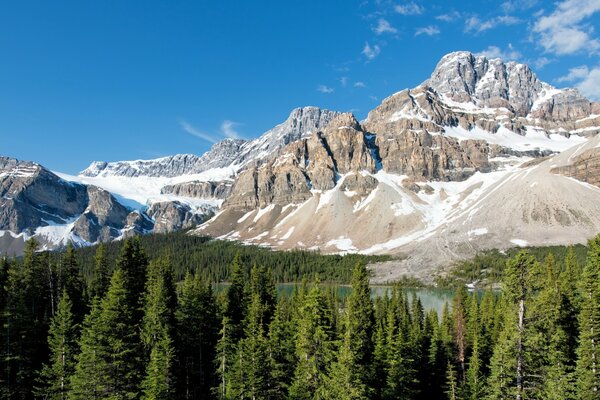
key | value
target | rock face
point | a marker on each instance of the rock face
(228, 152)
(199, 190)
(313, 163)
(584, 167)
(221, 154)
(33, 196)
(38, 203)
(174, 215)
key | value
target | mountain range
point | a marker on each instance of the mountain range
(481, 155)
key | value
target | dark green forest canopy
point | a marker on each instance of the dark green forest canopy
(212, 258)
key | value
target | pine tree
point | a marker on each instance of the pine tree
(353, 372)
(71, 281)
(197, 336)
(588, 369)
(510, 373)
(133, 263)
(281, 353)
(109, 361)
(236, 305)
(101, 278)
(62, 342)
(26, 319)
(314, 347)
(158, 332)
(452, 383)
(251, 372)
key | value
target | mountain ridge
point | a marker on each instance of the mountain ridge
(402, 174)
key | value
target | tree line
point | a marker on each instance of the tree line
(134, 331)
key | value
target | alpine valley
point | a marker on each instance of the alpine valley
(481, 155)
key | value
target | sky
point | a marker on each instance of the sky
(122, 80)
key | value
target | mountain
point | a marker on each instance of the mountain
(480, 155)
(108, 201)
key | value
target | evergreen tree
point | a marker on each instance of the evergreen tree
(70, 281)
(314, 347)
(510, 373)
(588, 369)
(251, 372)
(236, 304)
(353, 372)
(26, 319)
(133, 263)
(101, 277)
(197, 335)
(281, 353)
(158, 332)
(108, 365)
(62, 342)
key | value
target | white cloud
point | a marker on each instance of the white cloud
(195, 132)
(511, 5)
(477, 25)
(541, 62)
(586, 80)
(449, 17)
(564, 31)
(430, 30)
(228, 129)
(344, 81)
(359, 84)
(411, 8)
(492, 52)
(590, 85)
(575, 73)
(325, 89)
(371, 51)
(384, 26)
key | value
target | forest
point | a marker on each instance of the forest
(132, 322)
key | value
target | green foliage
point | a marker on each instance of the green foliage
(108, 365)
(212, 259)
(158, 331)
(54, 378)
(197, 334)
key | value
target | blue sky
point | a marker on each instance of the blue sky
(117, 80)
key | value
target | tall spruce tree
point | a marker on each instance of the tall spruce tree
(62, 342)
(158, 332)
(588, 354)
(101, 278)
(353, 372)
(197, 336)
(109, 362)
(314, 347)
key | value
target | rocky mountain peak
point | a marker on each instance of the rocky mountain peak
(467, 78)
(344, 121)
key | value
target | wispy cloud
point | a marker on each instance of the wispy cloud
(360, 84)
(430, 30)
(476, 25)
(509, 54)
(575, 73)
(512, 5)
(195, 132)
(586, 79)
(383, 26)
(344, 81)
(564, 31)
(228, 129)
(411, 8)
(371, 51)
(325, 89)
(451, 16)
(541, 62)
